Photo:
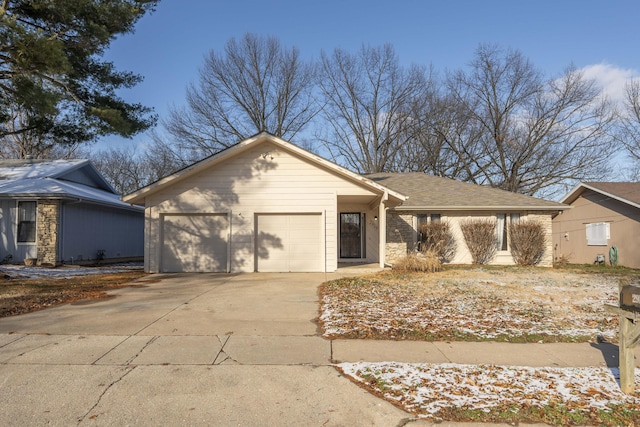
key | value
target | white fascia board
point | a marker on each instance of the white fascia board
(575, 193)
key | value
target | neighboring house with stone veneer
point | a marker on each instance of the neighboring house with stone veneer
(267, 205)
(64, 211)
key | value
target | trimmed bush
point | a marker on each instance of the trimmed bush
(528, 242)
(437, 237)
(427, 262)
(480, 237)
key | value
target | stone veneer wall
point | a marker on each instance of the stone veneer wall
(400, 236)
(48, 224)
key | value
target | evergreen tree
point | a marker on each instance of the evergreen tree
(54, 87)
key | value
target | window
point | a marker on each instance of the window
(26, 222)
(598, 233)
(501, 229)
(422, 219)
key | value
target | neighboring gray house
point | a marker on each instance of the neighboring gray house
(64, 211)
(267, 205)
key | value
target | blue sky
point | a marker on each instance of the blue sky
(169, 45)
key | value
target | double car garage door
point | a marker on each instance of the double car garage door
(283, 242)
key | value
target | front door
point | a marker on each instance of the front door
(351, 235)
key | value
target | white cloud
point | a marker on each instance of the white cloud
(611, 78)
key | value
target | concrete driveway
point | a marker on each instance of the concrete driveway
(215, 349)
(200, 349)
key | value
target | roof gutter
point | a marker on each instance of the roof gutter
(482, 208)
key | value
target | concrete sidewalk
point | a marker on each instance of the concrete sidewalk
(211, 350)
(217, 350)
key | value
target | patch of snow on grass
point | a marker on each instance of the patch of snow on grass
(448, 306)
(426, 389)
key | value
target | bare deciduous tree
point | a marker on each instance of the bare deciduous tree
(22, 142)
(256, 85)
(534, 133)
(368, 99)
(630, 120)
(128, 169)
(443, 141)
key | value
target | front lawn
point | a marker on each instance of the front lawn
(24, 291)
(489, 303)
(472, 304)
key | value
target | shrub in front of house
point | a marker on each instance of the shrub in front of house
(437, 237)
(528, 242)
(480, 237)
(424, 261)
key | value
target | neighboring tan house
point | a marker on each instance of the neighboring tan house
(604, 215)
(64, 211)
(265, 204)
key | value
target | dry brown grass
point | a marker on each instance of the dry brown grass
(425, 262)
(20, 296)
(514, 304)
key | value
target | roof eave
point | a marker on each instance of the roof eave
(138, 197)
(578, 189)
(483, 208)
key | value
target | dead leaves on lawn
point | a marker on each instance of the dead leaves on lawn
(20, 296)
(559, 396)
(520, 305)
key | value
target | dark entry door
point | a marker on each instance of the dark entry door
(351, 235)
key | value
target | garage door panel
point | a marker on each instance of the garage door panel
(194, 243)
(289, 242)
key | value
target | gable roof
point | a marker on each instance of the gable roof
(625, 192)
(138, 196)
(437, 193)
(57, 179)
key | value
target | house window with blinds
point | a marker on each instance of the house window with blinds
(598, 233)
(26, 222)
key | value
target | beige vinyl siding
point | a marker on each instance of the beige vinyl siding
(262, 179)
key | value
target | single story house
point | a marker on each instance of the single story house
(64, 211)
(267, 205)
(604, 222)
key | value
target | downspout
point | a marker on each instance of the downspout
(382, 229)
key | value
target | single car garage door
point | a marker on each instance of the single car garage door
(194, 243)
(289, 242)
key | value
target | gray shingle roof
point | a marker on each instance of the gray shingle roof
(430, 192)
(626, 191)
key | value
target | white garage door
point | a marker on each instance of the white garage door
(289, 242)
(194, 243)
